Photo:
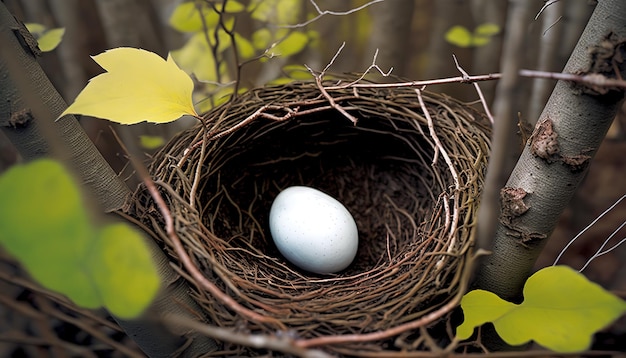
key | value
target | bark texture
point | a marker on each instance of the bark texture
(555, 159)
(23, 124)
(27, 112)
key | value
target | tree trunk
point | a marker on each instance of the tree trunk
(392, 21)
(27, 111)
(555, 159)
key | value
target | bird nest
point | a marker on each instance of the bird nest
(408, 165)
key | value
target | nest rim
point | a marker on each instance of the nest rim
(457, 132)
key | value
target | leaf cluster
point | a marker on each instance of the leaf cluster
(62, 249)
(561, 311)
(481, 36)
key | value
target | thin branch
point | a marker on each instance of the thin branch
(457, 185)
(186, 260)
(477, 87)
(599, 252)
(547, 3)
(551, 25)
(423, 321)
(321, 13)
(258, 113)
(332, 60)
(333, 104)
(587, 228)
(593, 79)
(280, 343)
(318, 80)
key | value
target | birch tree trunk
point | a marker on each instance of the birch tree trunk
(556, 157)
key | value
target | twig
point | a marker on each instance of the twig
(258, 113)
(547, 3)
(331, 101)
(423, 321)
(371, 67)
(477, 87)
(321, 13)
(318, 80)
(455, 175)
(599, 252)
(587, 228)
(590, 80)
(281, 343)
(196, 179)
(186, 260)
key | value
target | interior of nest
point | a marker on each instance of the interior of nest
(384, 170)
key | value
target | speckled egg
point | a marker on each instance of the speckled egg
(313, 230)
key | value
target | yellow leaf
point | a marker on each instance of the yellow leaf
(192, 17)
(151, 141)
(459, 36)
(290, 45)
(35, 29)
(277, 12)
(51, 39)
(487, 29)
(47, 40)
(138, 86)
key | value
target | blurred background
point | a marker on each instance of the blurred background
(414, 37)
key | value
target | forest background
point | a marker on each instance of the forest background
(408, 35)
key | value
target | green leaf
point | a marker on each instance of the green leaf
(123, 270)
(459, 36)
(277, 12)
(486, 29)
(244, 46)
(483, 33)
(261, 39)
(193, 16)
(47, 40)
(232, 7)
(480, 307)
(291, 45)
(214, 95)
(196, 57)
(51, 39)
(297, 72)
(280, 43)
(36, 29)
(43, 223)
(138, 86)
(151, 141)
(561, 311)
(478, 41)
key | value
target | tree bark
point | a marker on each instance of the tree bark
(20, 122)
(505, 107)
(391, 37)
(27, 111)
(555, 159)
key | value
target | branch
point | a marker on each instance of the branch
(502, 155)
(321, 13)
(593, 79)
(557, 157)
(281, 343)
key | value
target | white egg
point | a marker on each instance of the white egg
(313, 230)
